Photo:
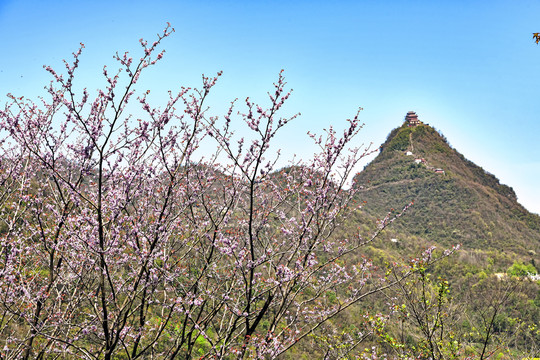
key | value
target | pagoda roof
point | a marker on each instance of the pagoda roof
(412, 118)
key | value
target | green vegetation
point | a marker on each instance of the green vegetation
(398, 141)
(520, 269)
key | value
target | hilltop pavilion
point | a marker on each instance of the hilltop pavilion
(412, 118)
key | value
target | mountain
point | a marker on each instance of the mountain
(455, 201)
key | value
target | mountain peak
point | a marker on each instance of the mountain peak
(416, 137)
(455, 199)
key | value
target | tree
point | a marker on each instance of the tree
(424, 324)
(119, 241)
(520, 269)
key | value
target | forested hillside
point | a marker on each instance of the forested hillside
(455, 201)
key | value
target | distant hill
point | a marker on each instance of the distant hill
(455, 201)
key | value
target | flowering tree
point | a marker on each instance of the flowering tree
(118, 241)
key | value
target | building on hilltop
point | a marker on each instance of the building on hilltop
(412, 119)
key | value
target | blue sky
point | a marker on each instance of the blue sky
(468, 68)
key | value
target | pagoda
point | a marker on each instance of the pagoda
(412, 118)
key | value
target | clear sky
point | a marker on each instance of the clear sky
(468, 68)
